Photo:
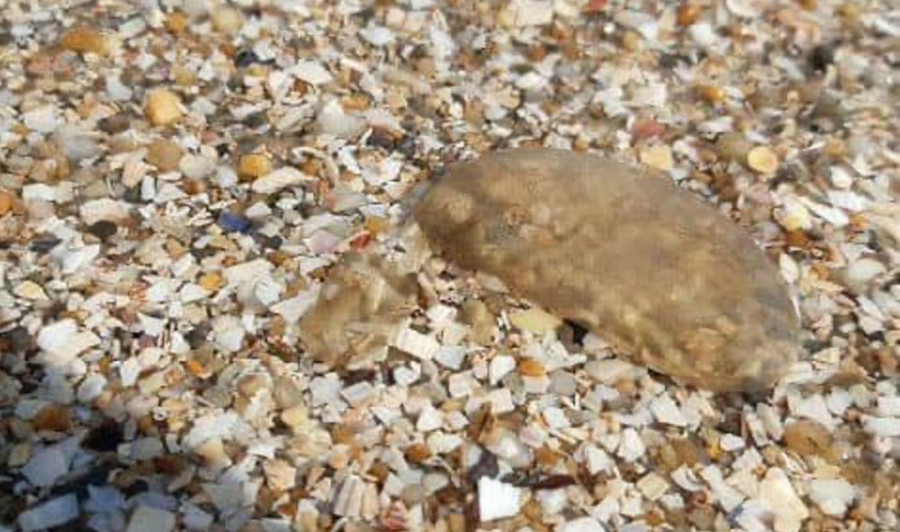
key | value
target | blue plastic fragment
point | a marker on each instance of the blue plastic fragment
(231, 222)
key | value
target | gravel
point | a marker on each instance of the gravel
(184, 183)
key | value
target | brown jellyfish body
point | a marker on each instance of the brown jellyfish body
(624, 252)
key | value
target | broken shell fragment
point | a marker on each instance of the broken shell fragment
(624, 252)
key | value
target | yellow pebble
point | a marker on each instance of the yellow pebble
(531, 368)
(711, 93)
(177, 21)
(254, 165)
(211, 281)
(85, 40)
(7, 200)
(835, 148)
(762, 159)
(195, 368)
(375, 225)
(687, 14)
(163, 107)
(257, 71)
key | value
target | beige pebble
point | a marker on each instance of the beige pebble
(658, 156)
(732, 146)
(535, 320)
(163, 107)
(762, 159)
(227, 20)
(31, 290)
(213, 453)
(477, 315)
(164, 155)
(280, 475)
(184, 77)
(19, 455)
(294, 416)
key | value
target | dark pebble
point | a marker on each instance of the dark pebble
(203, 253)
(269, 242)
(245, 58)
(136, 488)
(234, 84)
(578, 332)
(104, 438)
(670, 61)
(97, 476)
(382, 138)
(821, 57)
(487, 466)
(407, 145)
(10, 505)
(19, 339)
(114, 124)
(43, 244)
(256, 120)
(133, 194)
(197, 337)
(731, 421)
(103, 229)
(74, 526)
(359, 375)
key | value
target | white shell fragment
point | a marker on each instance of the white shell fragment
(279, 179)
(833, 496)
(149, 519)
(785, 505)
(415, 343)
(312, 72)
(496, 499)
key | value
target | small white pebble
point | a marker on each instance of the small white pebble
(41, 119)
